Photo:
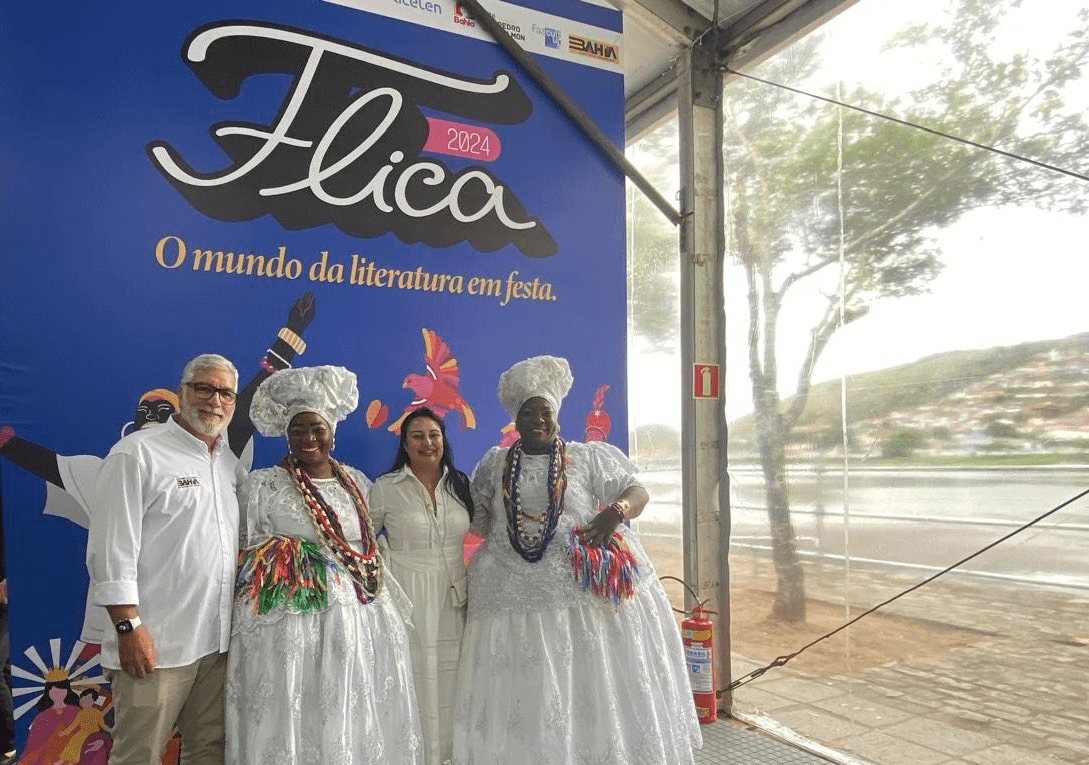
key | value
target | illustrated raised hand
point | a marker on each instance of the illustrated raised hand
(301, 313)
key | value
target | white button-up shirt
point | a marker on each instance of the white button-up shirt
(164, 537)
(419, 537)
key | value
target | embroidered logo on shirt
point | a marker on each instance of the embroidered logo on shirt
(186, 481)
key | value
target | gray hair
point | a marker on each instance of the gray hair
(208, 361)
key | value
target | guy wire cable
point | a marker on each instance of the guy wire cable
(781, 660)
(907, 123)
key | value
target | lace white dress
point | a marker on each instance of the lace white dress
(552, 673)
(328, 687)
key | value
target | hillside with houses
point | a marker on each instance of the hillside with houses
(1029, 399)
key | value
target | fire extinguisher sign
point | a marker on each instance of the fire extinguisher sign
(705, 380)
(699, 669)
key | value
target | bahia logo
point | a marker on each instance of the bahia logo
(345, 145)
(461, 16)
(594, 49)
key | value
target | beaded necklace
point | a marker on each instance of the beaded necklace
(531, 545)
(365, 568)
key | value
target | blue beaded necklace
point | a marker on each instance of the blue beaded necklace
(532, 546)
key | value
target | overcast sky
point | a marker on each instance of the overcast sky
(1011, 275)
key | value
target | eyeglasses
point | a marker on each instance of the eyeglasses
(204, 390)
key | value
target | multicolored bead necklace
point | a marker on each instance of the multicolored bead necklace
(365, 568)
(532, 545)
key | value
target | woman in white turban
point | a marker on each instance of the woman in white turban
(571, 653)
(319, 668)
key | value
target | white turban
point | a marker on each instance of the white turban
(548, 377)
(330, 392)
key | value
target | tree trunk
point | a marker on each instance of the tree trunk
(790, 585)
(771, 427)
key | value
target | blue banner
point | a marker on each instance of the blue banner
(369, 184)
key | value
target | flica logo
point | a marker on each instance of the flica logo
(345, 146)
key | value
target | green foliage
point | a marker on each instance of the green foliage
(998, 429)
(658, 437)
(654, 249)
(784, 151)
(656, 446)
(901, 443)
(846, 205)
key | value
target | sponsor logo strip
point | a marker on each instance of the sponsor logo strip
(534, 31)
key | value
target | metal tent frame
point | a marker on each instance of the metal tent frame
(676, 54)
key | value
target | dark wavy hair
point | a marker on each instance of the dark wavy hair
(457, 483)
(92, 692)
(70, 697)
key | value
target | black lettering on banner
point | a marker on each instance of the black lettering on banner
(345, 146)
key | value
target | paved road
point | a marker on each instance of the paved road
(916, 518)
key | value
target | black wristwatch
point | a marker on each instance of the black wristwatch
(125, 626)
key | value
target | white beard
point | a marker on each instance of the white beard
(207, 425)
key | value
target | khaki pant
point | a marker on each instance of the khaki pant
(146, 711)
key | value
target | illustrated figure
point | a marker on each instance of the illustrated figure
(319, 668)
(424, 507)
(438, 388)
(88, 742)
(57, 709)
(161, 553)
(598, 423)
(70, 480)
(8, 753)
(571, 651)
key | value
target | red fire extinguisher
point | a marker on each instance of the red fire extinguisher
(698, 636)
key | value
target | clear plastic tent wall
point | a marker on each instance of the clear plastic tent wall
(906, 381)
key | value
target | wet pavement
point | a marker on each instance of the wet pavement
(1016, 694)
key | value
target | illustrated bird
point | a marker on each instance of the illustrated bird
(438, 388)
(508, 435)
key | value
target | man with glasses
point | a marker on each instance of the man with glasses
(70, 480)
(161, 555)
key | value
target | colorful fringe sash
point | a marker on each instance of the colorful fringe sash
(608, 571)
(284, 572)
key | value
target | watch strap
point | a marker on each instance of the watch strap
(125, 626)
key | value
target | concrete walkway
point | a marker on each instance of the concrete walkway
(1017, 694)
